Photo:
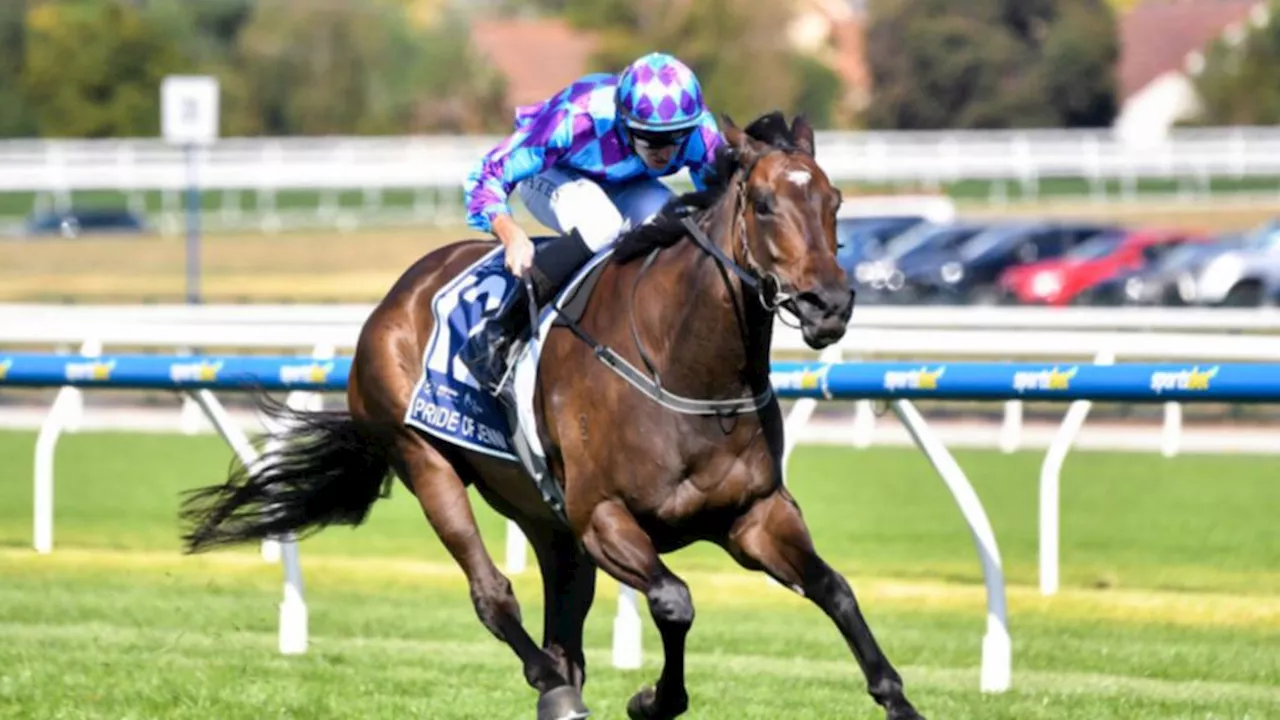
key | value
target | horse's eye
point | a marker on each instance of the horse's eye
(763, 206)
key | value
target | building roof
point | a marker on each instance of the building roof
(850, 58)
(1157, 36)
(537, 56)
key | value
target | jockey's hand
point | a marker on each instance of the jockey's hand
(519, 248)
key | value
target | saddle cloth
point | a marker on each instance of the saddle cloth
(448, 403)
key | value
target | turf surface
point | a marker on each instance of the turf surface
(1170, 608)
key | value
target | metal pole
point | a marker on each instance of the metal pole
(294, 620)
(1051, 483)
(193, 228)
(996, 674)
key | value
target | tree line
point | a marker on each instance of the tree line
(92, 68)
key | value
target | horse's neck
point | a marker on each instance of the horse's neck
(713, 338)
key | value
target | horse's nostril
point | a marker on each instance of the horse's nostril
(813, 299)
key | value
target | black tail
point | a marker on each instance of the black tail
(325, 469)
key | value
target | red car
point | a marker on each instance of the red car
(1060, 280)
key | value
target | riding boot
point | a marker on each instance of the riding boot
(488, 353)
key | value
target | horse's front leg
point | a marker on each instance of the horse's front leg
(772, 536)
(622, 549)
(568, 589)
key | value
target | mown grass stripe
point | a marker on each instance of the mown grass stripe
(719, 588)
(194, 651)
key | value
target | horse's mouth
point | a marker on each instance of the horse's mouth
(822, 333)
(824, 316)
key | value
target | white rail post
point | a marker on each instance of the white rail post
(1171, 434)
(517, 549)
(297, 400)
(802, 412)
(997, 646)
(293, 608)
(1011, 427)
(65, 414)
(92, 347)
(46, 444)
(1050, 485)
(190, 417)
(626, 630)
(864, 424)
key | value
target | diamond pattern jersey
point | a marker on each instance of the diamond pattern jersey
(577, 129)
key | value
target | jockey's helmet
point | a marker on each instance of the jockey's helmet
(659, 96)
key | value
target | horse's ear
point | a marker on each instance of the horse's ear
(739, 142)
(733, 135)
(802, 131)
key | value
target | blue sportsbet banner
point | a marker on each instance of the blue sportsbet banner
(1138, 382)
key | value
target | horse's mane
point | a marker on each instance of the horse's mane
(666, 229)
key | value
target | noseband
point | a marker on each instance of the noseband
(773, 292)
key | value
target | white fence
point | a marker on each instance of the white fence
(1023, 156)
(918, 333)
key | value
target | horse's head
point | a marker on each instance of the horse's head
(787, 221)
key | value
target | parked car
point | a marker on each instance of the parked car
(968, 273)
(1242, 277)
(1064, 280)
(85, 221)
(881, 275)
(862, 240)
(866, 222)
(1158, 283)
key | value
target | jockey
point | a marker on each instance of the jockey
(586, 164)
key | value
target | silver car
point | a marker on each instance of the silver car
(1244, 277)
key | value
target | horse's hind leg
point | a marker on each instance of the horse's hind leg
(624, 550)
(772, 537)
(444, 501)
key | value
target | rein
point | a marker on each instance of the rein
(771, 291)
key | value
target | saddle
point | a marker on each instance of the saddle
(448, 403)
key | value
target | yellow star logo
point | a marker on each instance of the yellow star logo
(1199, 379)
(101, 371)
(1061, 379)
(928, 379)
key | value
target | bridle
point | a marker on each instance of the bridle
(771, 290)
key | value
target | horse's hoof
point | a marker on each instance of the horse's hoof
(644, 705)
(562, 703)
(640, 707)
(908, 713)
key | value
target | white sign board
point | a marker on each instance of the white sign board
(189, 109)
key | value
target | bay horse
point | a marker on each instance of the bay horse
(639, 478)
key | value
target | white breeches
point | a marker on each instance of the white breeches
(563, 201)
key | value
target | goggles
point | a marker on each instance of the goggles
(658, 139)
